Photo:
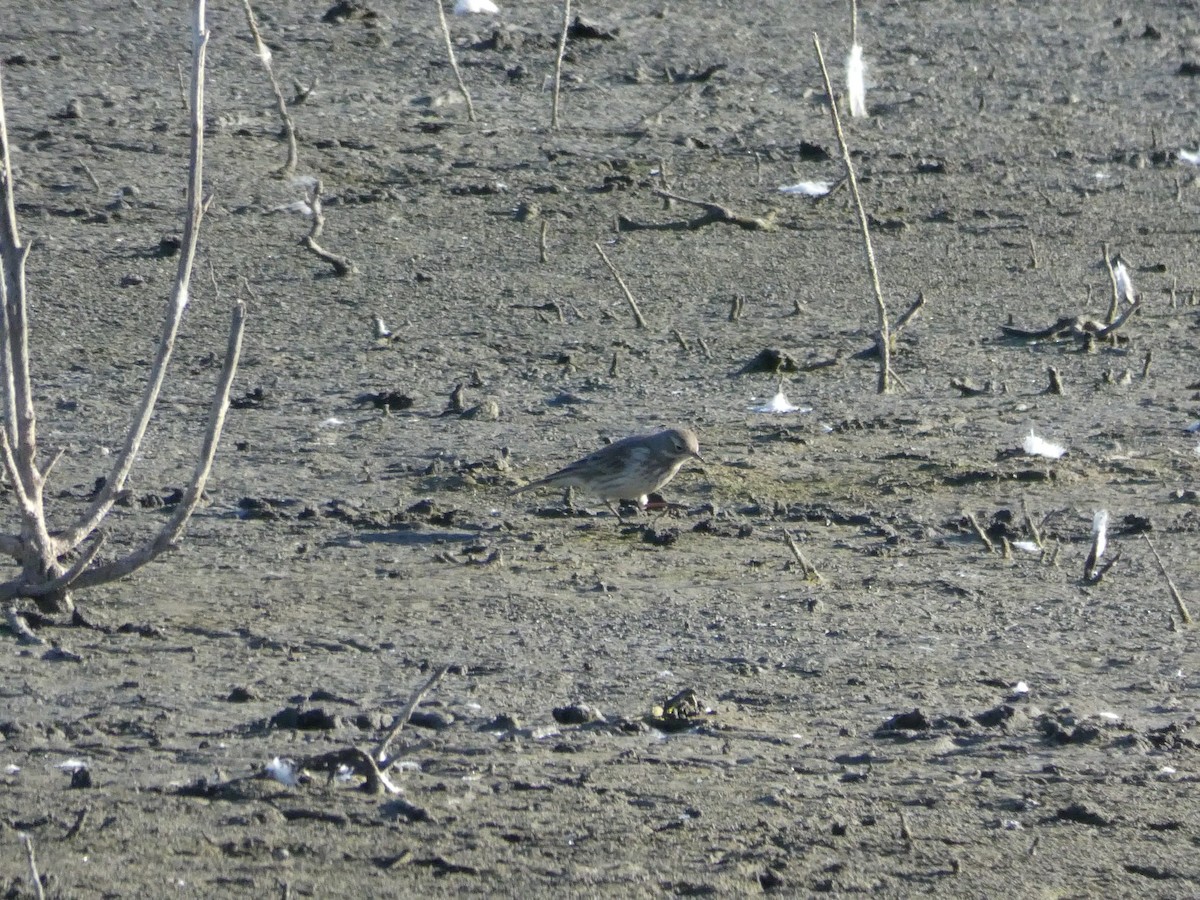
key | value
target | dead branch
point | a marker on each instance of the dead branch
(1073, 328)
(714, 213)
(341, 265)
(558, 61)
(462, 85)
(1180, 606)
(637, 313)
(968, 388)
(45, 574)
(264, 56)
(979, 532)
(31, 859)
(909, 314)
(1115, 302)
(808, 570)
(406, 714)
(169, 535)
(884, 340)
(19, 627)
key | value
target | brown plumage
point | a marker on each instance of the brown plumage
(628, 469)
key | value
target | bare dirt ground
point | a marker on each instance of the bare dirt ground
(928, 716)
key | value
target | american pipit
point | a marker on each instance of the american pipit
(628, 469)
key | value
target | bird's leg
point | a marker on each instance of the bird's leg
(616, 511)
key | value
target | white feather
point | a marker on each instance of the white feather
(1036, 446)
(779, 405)
(298, 207)
(807, 188)
(1026, 546)
(283, 771)
(1100, 532)
(1190, 157)
(856, 82)
(466, 7)
(1124, 283)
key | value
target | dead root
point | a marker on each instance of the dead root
(1078, 329)
(714, 213)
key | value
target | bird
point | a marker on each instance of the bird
(629, 469)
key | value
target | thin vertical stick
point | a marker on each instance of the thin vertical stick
(1171, 589)
(264, 56)
(462, 85)
(885, 340)
(1115, 302)
(27, 843)
(637, 313)
(853, 22)
(562, 48)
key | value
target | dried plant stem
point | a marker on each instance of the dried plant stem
(883, 384)
(1115, 301)
(1184, 615)
(406, 713)
(44, 574)
(558, 61)
(264, 56)
(462, 85)
(341, 265)
(637, 313)
(31, 858)
(806, 568)
(979, 532)
(853, 24)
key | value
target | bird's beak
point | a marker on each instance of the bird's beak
(698, 456)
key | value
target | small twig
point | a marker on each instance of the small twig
(637, 313)
(1115, 303)
(27, 843)
(462, 85)
(1120, 320)
(91, 176)
(979, 532)
(341, 265)
(77, 826)
(806, 568)
(1171, 589)
(968, 388)
(1032, 527)
(406, 713)
(183, 89)
(543, 255)
(1146, 361)
(264, 56)
(687, 348)
(19, 627)
(909, 314)
(905, 830)
(558, 61)
(715, 213)
(883, 385)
